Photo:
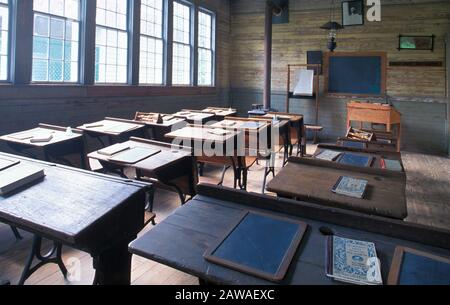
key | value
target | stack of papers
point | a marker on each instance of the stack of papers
(353, 261)
(351, 187)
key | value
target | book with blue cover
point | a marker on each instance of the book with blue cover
(355, 160)
(351, 187)
(352, 261)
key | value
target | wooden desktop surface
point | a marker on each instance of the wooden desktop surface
(159, 161)
(201, 133)
(109, 123)
(193, 228)
(312, 180)
(59, 135)
(94, 213)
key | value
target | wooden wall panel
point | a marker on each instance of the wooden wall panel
(292, 41)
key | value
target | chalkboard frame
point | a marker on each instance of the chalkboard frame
(287, 259)
(396, 266)
(382, 55)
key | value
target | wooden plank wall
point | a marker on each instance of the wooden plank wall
(420, 92)
(25, 106)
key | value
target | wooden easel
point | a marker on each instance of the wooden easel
(289, 94)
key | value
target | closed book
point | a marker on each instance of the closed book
(351, 187)
(41, 138)
(352, 261)
(328, 155)
(18, 176)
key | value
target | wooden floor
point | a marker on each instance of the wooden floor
(428, 197)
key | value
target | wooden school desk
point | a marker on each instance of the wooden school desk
(375, 154)
(195, 117)
(173, 167)
(198, 137)
(258, 135)
(312, 180)
(91, 212)
(376, 114)
(297, 130)
(195, 227)
(115, 130)
(60, 146)
(159, 130)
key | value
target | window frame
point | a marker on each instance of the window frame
(80, 54)
(164, 40)
(213, 45)
(192, 27)
(9, 6)
(128, 31)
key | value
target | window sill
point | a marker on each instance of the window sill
(42, 91)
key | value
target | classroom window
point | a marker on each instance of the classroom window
(182, 44)
(56, 35)
(4, 41)
(152, 49)
(205, 49)
(111, 43)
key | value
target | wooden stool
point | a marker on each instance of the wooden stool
(315, 129)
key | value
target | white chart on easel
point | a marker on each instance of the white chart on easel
(305, 82)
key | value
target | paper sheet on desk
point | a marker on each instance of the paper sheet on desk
(305, 81)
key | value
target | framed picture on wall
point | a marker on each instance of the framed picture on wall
(416, 42)
(353, 13)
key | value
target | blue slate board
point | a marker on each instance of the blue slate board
(355, 75)
(422, 270)
(259, 243)
(355, 160)
(354, 144)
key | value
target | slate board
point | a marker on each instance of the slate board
(260, 245)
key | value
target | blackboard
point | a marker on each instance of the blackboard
(356, 73)
(259, 244)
